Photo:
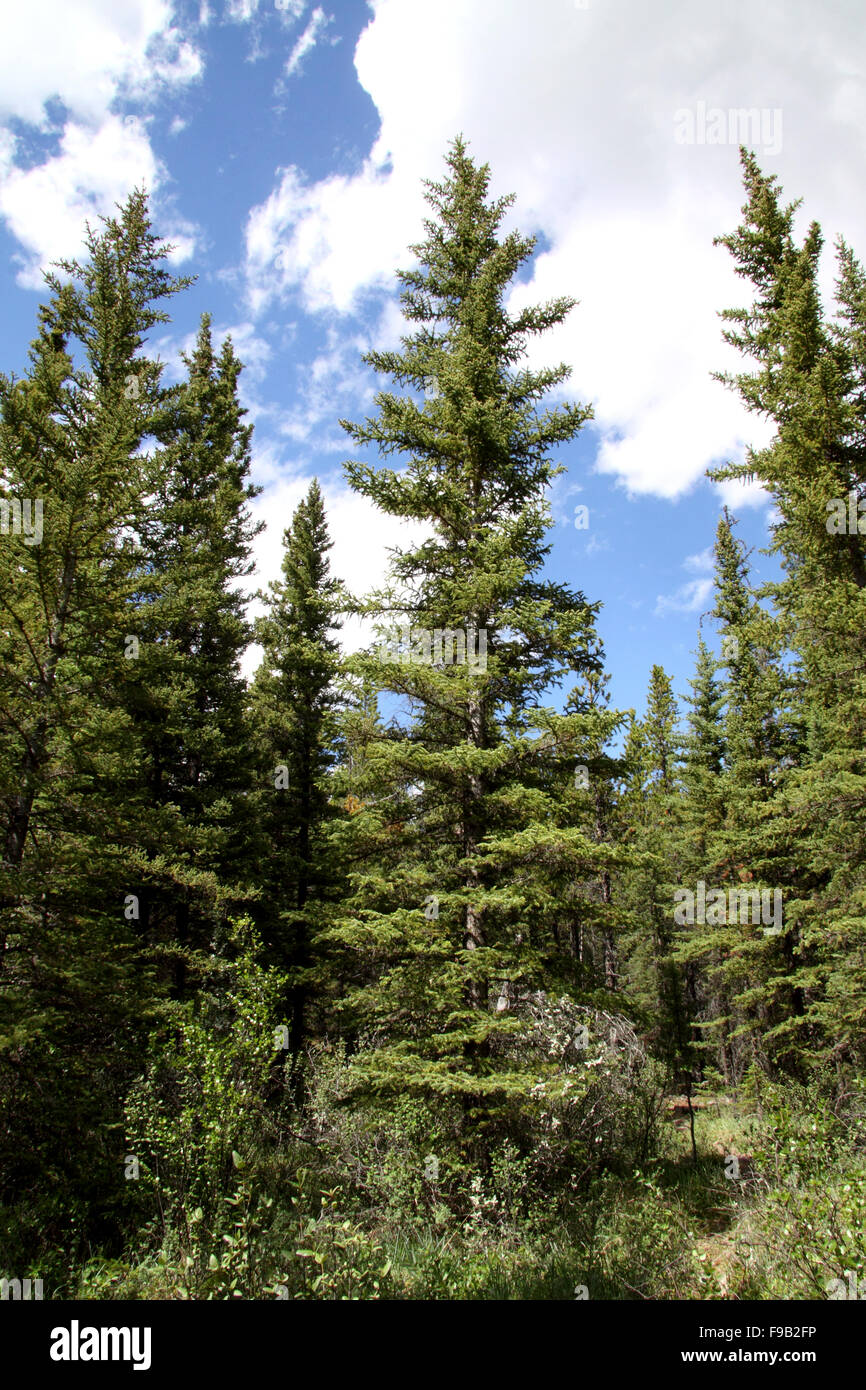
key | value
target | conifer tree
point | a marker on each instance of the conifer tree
(653, 871)
(74, 994)
(748, 967)
(465, 915)
(185, 689)
(293, 706)
(704, 743)
(702, 816)
(660, 728)
(596, 924)
(807, 378)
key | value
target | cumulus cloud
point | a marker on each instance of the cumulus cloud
(296, 240)
(580, 112)
(87, 54)
(45, 206)
(85, 57)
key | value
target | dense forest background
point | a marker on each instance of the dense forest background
(424, 973)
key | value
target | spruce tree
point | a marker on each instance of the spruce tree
(805, 375)
(75, 995)
(596, 922)
(652, 872)
(702, 815)
(459, 914)
(293, 703)
(749, 968)
(185, 689)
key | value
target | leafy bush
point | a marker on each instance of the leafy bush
(808, 1226)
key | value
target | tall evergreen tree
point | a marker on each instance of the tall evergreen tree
(806, 376)
(185, 689)
(653, 871)
(466, 914)
(702, 815)
(748, 968)
(293, 703)
(596, 923)
(74, 996)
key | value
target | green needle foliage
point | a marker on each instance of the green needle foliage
(368, 977)
(808, 379)
(73, 990)
(293, 702)
(185, 691)
(465, 788)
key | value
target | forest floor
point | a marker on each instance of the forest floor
(724, 1140)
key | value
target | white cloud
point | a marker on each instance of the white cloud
(336, 382)
(736, 493)
(308, 40)
(701, 563)
(690, 598)
(575, 110)
(86, 56)
(296, 240)
(45, 207)
(241, 10)
(252, 349)
(171, 62)
(268, 464)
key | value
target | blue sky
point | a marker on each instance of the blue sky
(284, 145)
